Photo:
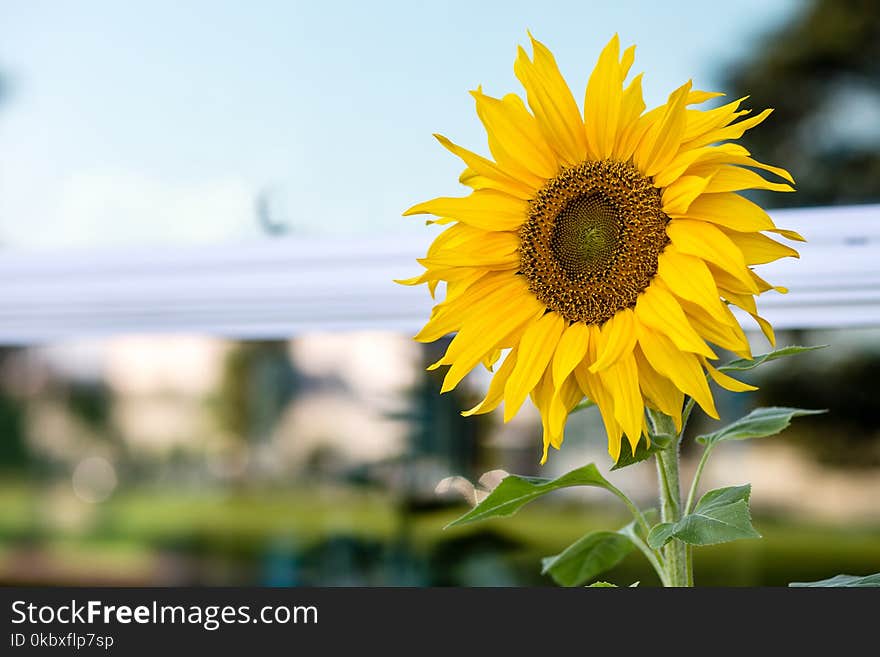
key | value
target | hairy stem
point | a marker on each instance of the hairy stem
(652, 556)
(674, 552)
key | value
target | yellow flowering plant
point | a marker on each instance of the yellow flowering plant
(594, 262)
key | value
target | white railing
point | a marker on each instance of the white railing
(280, 287)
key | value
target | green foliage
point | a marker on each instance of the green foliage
(721, 515)
(587, 557)
(811, 70)
(760, 423)
(602, 585)
(841, 581)
(643, 451)
(514, 492)
(742, 364)
(849, 435)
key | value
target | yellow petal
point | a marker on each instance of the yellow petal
(457, 275)
(489, 360)
(699, 122)
(484, 331)
(602, 103)
(764, 286)
(661, 143)
(570, 351)
(415, 280)
(493, 175)
(488, 249)
(733, 179)
(725, 381)
(758, 249)
(631, 107)
(679, 164)
(691, 161)
(542, 395)
(535, 351)
(697, 96)
(486, 209)
(458, 285)
(626, 62)
(729, 153)
(617, 337)
(550, 99)
(734, 131)
(622, 382)
(689, 278)
(633, 124)
(728, 210)
(632, 137)
(766, 328)
(745, 301)
(706, 241)
(495, 394)
(452, 236)
(448, 316)
(563, 399)
(682, 368)
(680, 195)
(515, 141)
(789, 234)
(659, 390)
(593, 387)
(745, 160)
(727, 334)
(658, 309)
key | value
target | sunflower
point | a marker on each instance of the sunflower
(599, 250)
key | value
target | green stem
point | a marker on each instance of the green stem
(692, 493)
(685, 416)
(674, 552)
(652, 556)
(636, 512)
(689, 564)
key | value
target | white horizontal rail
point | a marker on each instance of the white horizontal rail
(279, 287)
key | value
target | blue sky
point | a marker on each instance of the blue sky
(159, 122)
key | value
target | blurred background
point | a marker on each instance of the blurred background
(206, 374)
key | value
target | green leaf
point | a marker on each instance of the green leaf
(587, 557)
(514, 492)
(721, 515)
(759, 423)
(842, 580)
(602, 585)
(741, 364)
(643, 452)
(661, 534)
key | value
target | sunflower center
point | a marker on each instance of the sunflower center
(584, 234)
(592, 240)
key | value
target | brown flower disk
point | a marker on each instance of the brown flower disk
(592, 240)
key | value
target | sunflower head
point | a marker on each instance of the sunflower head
(600, 248)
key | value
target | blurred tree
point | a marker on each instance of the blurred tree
(259, 380)
(821, 73)
(849, 434)
(438, 430)
(13, 451)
